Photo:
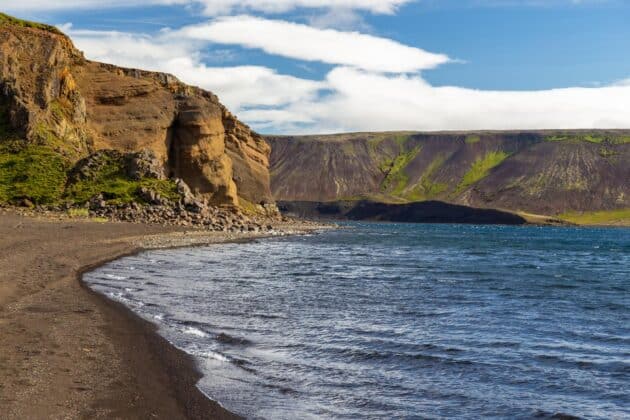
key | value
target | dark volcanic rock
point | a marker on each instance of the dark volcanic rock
(422, 212)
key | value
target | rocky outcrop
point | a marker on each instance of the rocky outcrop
(544, 172)
(51, 95)
(196, 152)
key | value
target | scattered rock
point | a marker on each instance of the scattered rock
(144, 164)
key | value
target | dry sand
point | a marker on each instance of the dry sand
(66, 352)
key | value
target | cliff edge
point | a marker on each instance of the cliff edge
(52, 97)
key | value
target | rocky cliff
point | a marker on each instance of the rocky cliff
(546, 172)
(51, 96)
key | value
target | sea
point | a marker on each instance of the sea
(397, 321)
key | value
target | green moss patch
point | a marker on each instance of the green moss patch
(69, 143)
(428, 189)
(606, 153)
(35, 173)
(472, 139)
(109, 179)
(396, 180)
(119, 190)
(481, 168)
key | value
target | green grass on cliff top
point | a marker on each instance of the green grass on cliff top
(610, 217)
(10, 20)
(595, 138)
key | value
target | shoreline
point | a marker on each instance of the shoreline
(68, 351)
(180, 367)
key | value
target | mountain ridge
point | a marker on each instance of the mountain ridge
(548, 172)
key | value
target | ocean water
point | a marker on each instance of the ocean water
(398, 321)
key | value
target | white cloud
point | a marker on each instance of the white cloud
(225, 7)
(304, 42)
(343, 19)
(36, 5)
(364, 102)
(239, 87)
(244, 86)
(214, 7)
(349, 99)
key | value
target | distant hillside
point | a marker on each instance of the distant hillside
(542, 172)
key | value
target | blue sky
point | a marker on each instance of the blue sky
(288, 66)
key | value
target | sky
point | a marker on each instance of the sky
(322, 66)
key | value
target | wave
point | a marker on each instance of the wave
(194, 331)
(209, 354)
(115, 277)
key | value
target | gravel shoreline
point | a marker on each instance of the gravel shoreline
(67, 352)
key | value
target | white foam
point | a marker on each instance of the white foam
(115, 277)
(212, 355)
(119, 297)
(194, 331)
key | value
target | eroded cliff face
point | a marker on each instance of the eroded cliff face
(53, 96)
(250, 156)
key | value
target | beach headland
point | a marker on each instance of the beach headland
(67, 352)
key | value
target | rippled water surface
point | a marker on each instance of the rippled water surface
(398, 321)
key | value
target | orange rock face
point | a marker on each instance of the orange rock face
(53, 95)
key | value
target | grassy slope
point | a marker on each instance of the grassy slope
(427, 188)
(35, 172)
(602, 218)
(111, 181)
(40, 174)
(10, 20)
(396, 179)
(481, 168)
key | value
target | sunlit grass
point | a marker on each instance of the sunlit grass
(481, 168)
(609, 217)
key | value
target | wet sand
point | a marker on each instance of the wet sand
(66, 352)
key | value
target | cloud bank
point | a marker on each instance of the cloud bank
(374, 83)
(214, 7)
